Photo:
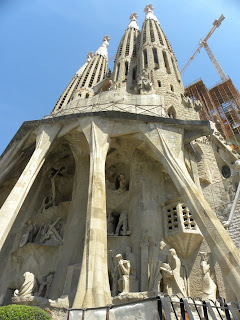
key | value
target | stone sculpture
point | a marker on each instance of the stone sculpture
(45, 286)
(144, 84)
(28, 287)
(121, 182)
(122, 223)
(124, 272)
(131, 257)
(173, 281)
(29, 234)
(113, 273)
(157, 258)
(209, 287)
(110, 224)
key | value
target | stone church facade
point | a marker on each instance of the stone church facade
(121, 192)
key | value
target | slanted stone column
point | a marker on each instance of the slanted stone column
(144, 245)
(93, 288)
(166, 143)
(11, 157)
(9, 211)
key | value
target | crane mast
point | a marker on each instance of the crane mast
(203, 43)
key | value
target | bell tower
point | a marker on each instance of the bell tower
(125, 68)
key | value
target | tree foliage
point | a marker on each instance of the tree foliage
(19, 312)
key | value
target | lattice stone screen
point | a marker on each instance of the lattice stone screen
(180, 228)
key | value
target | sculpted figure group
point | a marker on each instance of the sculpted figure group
(166, 273)
(48, 234)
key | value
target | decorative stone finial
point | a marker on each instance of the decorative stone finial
(133, 21)
(89, 56)
(102, 51)
(149, 12)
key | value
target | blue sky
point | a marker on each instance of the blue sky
(44, 42)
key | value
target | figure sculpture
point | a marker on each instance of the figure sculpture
(45, 286)
(110, 224)
(122, 223)
(173, 281)
(131, 257)
(157, 258)
(209, 287)
(144, 84)
(28, 287)
(124, 272)
(30, 233)
(121, 182)
(113, 273)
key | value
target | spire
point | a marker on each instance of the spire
(133, 21)
(88, 58)
(124, 72)
(103, 50)
(157, 67)
(149, 13)
(68, 92)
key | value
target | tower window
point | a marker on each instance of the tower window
(166, 62)
(171, 112)
(87, 95)
(145, 59)
(134, 73)
(144, 32)
(128, 44)
(159, 36)
(168, 43)
(155, 55)
(226, 172)
(159, 83)
(151, 31)
(171, 87)
(118, 69)
(126, 68)
(120, 50)
(175, 70)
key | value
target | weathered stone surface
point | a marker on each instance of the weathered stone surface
(123, 167)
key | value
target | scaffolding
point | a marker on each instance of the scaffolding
(221, 104)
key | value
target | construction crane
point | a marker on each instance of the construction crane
(203, 43)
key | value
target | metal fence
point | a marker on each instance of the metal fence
(163, 307)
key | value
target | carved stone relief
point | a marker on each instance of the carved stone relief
(45, 285)
(47, 233)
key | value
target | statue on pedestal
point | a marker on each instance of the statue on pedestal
(157, 258)
(173, 281)
(209, 287)
(28, 287)
(124, 272)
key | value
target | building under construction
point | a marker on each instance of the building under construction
(221, 104)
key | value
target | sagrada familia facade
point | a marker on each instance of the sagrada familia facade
(121, 192)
